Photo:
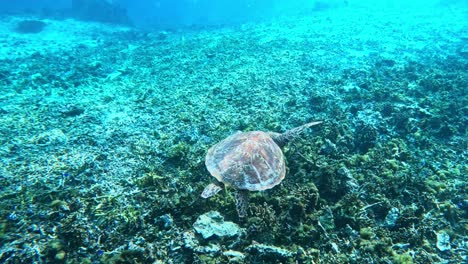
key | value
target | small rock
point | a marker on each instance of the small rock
(190, 241)
(335, 248)
(210, 249)
(210, 55)
(165, 221)
(352, 185)
(269, 251)
(392, 217)
(51, 137)
(234, 256)
(114, 75)
(94, 65)
(71, 110)
(213, 224)
(36, 76)
(443, 241)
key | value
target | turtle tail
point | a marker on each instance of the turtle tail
(286, 137)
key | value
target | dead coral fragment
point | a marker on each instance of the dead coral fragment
(213, 224)
(443, 241)
(269, 252)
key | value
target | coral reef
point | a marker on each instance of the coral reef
(103, 142)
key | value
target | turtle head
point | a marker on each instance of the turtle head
(282, 139)
(211, 190)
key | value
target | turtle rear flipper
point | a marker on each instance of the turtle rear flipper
(242, 202)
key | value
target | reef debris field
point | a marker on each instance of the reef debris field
(104, 134)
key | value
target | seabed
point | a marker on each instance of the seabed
(104, 132)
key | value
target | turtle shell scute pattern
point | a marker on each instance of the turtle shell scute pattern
(249, 161)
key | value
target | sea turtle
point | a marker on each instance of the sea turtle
(249, 161)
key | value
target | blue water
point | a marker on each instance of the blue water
(149, 13)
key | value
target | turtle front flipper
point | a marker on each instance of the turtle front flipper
(242, 202)
(211, 190)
